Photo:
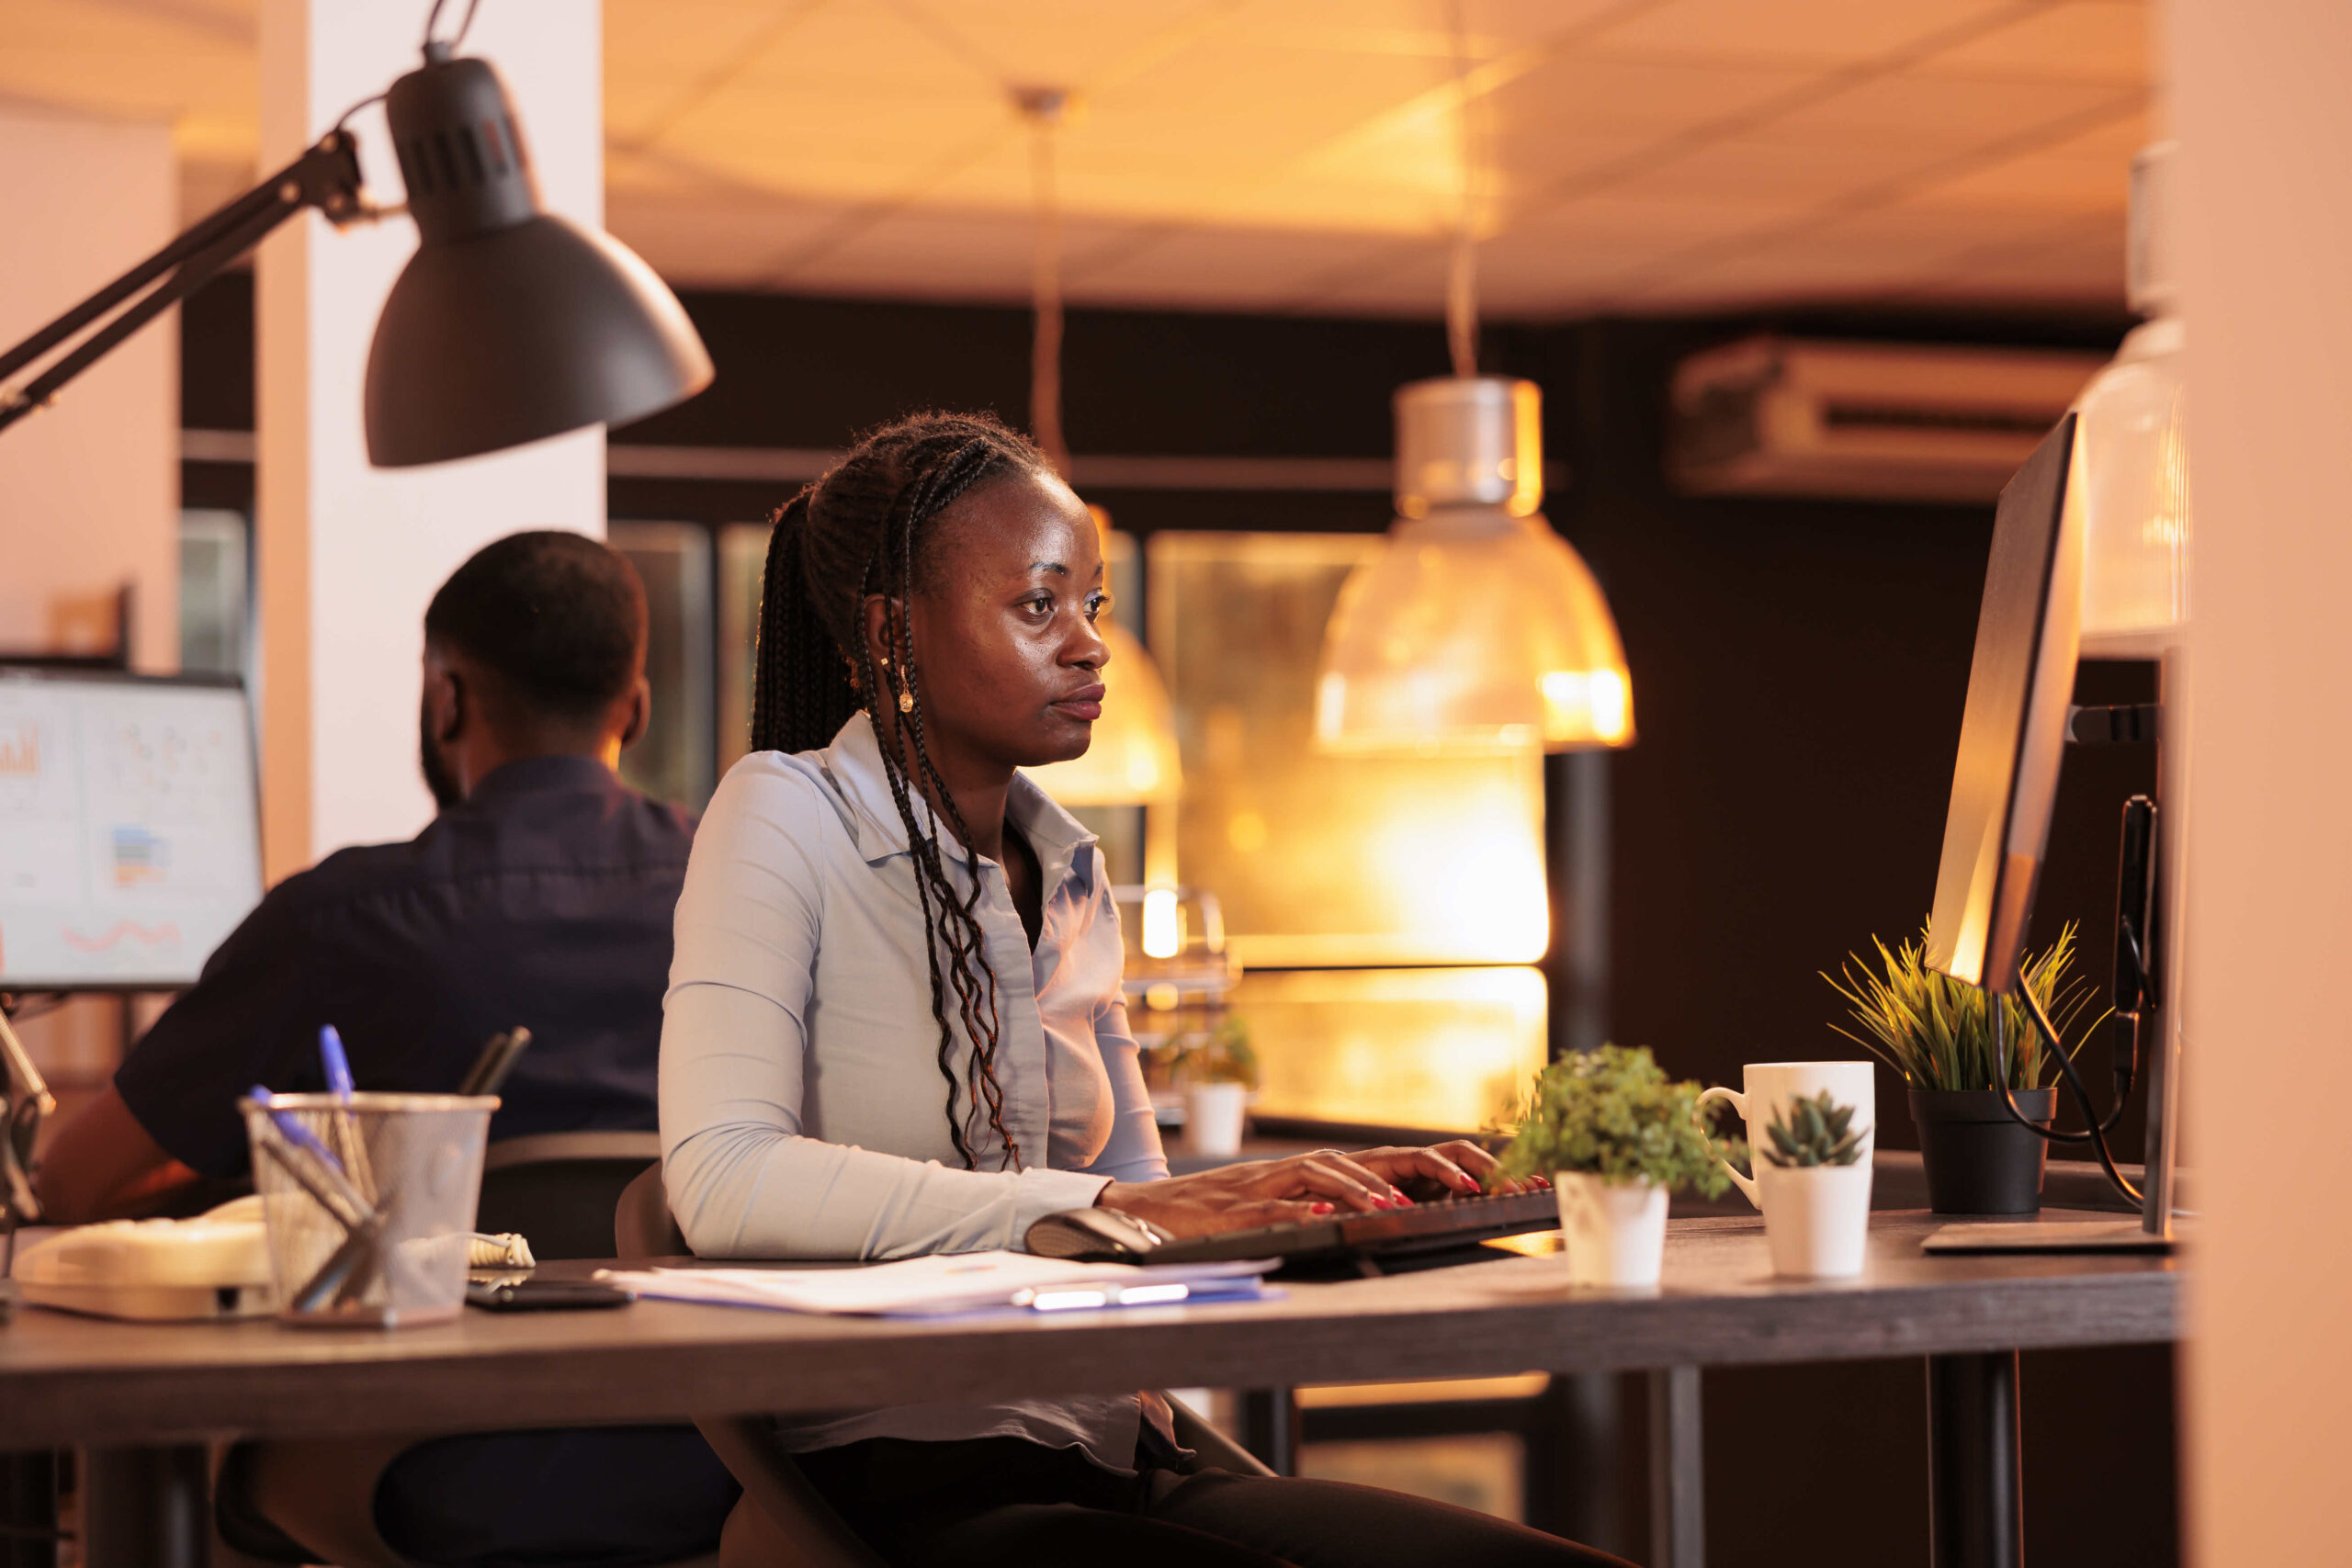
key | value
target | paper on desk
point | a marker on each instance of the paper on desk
(920, 1287)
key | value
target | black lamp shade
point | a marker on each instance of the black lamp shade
(509, 324)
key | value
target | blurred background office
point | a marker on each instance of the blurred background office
(1900, 223)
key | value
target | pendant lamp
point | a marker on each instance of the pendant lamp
(1132, 760)
(2132, 454)
(1476, 627)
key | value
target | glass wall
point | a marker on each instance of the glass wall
(216, 594)
(1343, 870)
(675, 760)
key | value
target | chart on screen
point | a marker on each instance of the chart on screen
(129, 842)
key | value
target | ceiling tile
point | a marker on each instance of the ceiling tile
(1953, 112)
(1827, 31)
(2083, 40)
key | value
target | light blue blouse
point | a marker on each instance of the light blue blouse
(803, 1109)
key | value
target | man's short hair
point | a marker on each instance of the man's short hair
(559, 617)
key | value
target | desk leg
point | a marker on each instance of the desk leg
(1677, 1473)
(1975, 1484)
(146, 1507)
(1270, 1427)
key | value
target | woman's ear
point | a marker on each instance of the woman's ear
(877, 629)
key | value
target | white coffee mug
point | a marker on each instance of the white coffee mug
(1771, 1085)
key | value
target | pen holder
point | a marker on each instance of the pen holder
(369, 1201)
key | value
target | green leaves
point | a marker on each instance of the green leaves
(1938, 1031)
(1613, 1112)
(1223, 1056)
(1812, 1131)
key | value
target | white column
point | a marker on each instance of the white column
(349, 555)
(2264, 116)
(89, 488)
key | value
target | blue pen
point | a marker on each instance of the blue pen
(336, 1066)
(331, 1059)
(301, 1137)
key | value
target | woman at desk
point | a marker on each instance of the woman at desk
(895, 1026)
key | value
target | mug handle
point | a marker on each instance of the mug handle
(1739, 1104)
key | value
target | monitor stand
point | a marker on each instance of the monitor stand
(2052, 1236)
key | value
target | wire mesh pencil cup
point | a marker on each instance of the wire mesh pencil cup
(368, 1202)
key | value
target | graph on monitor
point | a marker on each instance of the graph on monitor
(129, 843)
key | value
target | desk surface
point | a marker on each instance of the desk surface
(66, 1380)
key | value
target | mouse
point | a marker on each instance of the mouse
(1095, 1236)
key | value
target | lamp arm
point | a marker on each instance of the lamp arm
(326, 177)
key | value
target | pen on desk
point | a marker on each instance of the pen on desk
(335, 1063)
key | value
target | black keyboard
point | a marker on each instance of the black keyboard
(1435, 1225)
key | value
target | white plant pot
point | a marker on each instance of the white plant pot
(1816, 1218)
(1214, 1114)
(1614, 1233)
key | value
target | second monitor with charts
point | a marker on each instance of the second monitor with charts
(130, 829)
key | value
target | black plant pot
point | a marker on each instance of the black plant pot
(1979, 1160)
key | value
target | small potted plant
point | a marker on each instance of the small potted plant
(1219, 1072)
(1615, 1137)
(1817, 1189)
(1937, 1032)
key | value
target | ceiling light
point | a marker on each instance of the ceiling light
(1476, 627)
(2131, 453)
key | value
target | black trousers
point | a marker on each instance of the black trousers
(1004, 1500)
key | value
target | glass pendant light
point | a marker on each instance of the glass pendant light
(1476, 628)
(1132, 760)
(2130, 451)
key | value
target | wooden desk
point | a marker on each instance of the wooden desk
(145, 1397)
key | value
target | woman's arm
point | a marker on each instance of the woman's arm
(743, 1180)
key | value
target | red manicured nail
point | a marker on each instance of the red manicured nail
(1320, 1209)
(1399, 1200)
(1382, 1204)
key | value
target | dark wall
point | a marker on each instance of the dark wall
(1798, 667)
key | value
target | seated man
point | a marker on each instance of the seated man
(541, 896)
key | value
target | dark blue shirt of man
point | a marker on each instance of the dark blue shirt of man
(541, 896)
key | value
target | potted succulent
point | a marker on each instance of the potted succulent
(1817, 1189)
(1937, 1032)
(1615, 1137)
(1219, 1072)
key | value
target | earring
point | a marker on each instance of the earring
(905, 702)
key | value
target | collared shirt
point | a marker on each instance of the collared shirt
(804, 1113)
(543, 900)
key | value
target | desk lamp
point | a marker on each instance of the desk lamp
(507, 325)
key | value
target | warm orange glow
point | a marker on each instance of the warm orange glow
(1445, 1049)
(1474, 631)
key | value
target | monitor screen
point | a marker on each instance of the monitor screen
(130, 832)
(2013, 730)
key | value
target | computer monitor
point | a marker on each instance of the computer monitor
(2013, 730)
(2013, 735)
(129, 828)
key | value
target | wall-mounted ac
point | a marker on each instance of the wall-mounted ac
(1883, 421)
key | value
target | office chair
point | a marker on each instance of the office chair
(783, 1518)
(559, 1191)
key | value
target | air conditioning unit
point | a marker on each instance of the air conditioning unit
(1882, 421)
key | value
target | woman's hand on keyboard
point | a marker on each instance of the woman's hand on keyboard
(1256, 1193)
(1456, 1169)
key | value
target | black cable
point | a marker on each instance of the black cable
(2095, 1133)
